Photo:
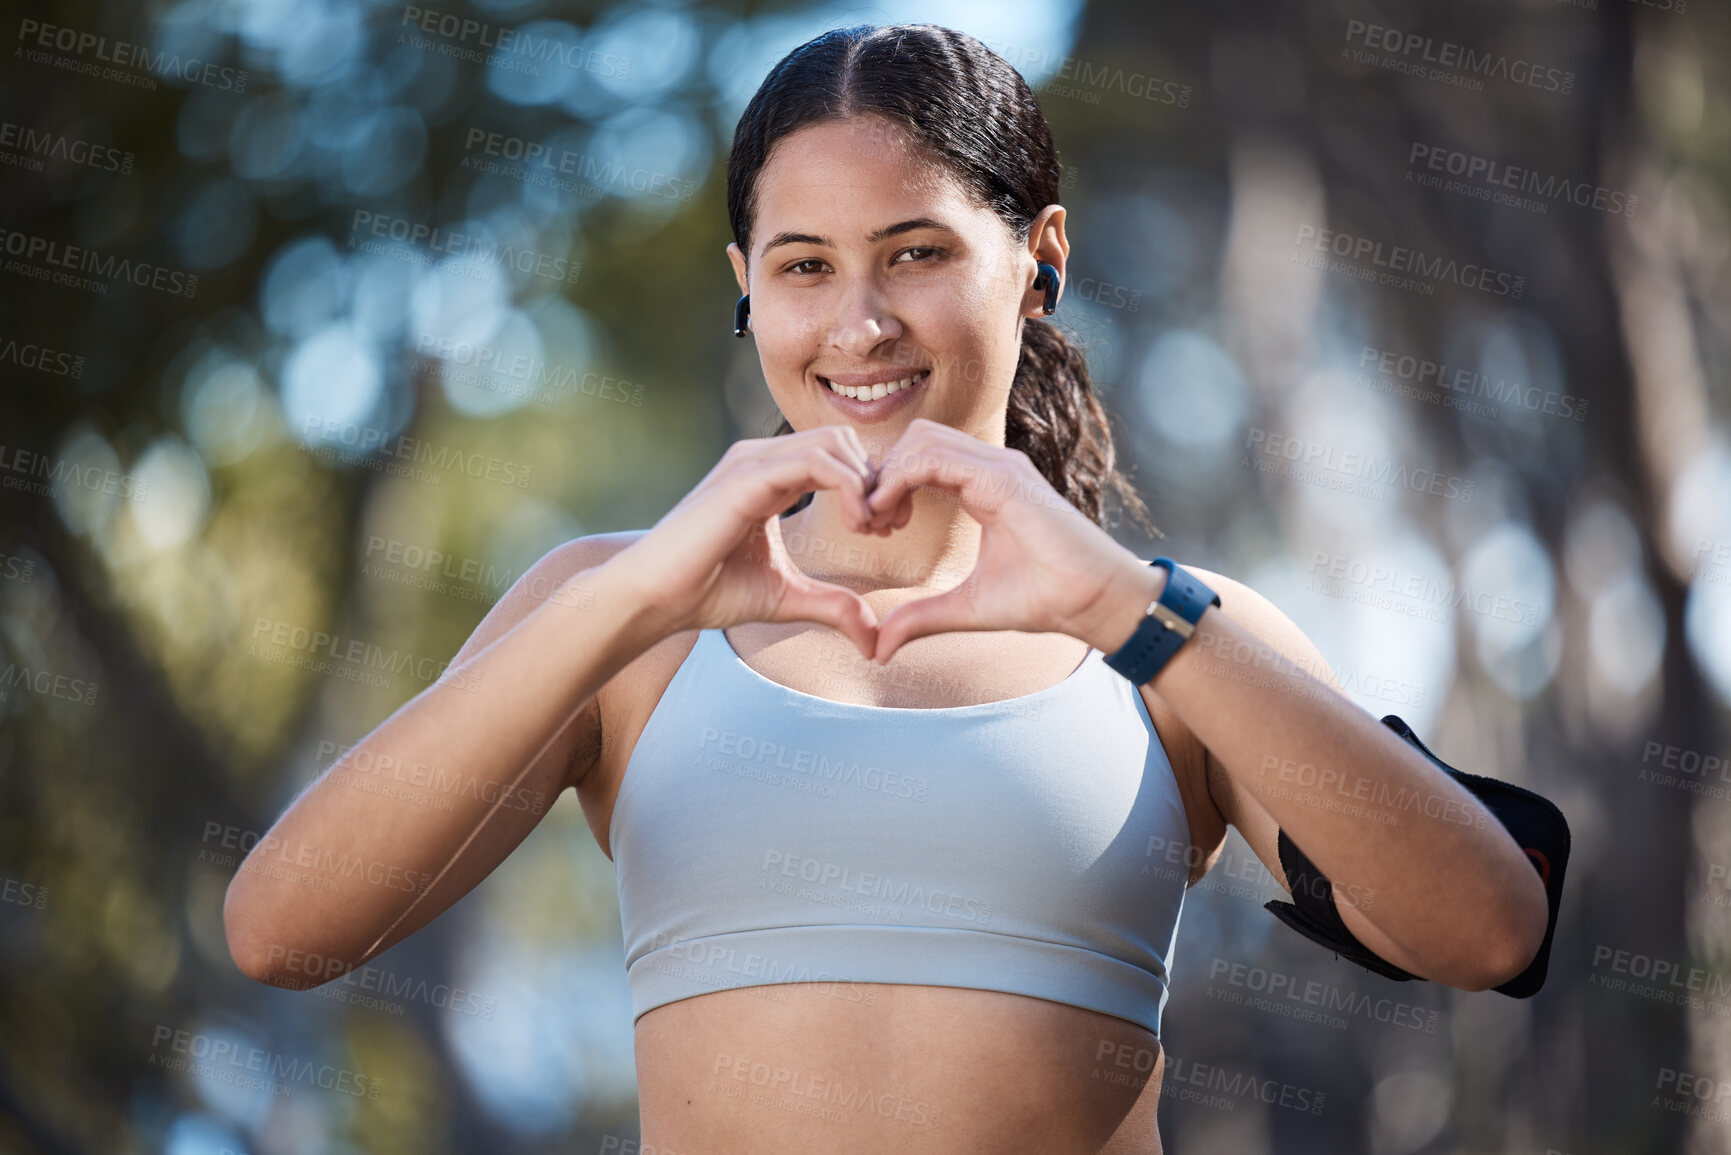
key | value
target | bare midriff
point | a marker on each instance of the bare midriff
(797, 1068)
(847, 1067)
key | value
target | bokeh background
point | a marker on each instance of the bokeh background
(329, 318)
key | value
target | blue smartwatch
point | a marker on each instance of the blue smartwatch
(1167, 625)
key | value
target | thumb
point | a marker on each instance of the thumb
(806, 599)
(944, 612)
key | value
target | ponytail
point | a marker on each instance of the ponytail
(964, 107)
(1055, 418)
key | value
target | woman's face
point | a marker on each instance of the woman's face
(870, 267)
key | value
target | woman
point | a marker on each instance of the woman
(886, 846)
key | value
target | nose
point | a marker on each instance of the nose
(863, 319)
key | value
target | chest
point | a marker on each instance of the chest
(935, 672)
(978, 668)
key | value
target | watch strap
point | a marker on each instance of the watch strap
(1165, 627)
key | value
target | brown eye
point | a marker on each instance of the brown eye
(925, 249)
(800, 266)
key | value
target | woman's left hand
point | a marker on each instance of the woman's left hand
(1043, 566)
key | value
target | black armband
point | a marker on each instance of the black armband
(1534, 822)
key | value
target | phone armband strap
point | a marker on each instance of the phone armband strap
(1534, 822)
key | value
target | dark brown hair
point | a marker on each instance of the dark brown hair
(964, 106)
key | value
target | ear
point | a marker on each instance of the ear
(738, 259)
(1048, 243)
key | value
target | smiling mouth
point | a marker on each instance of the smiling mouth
(879, 390)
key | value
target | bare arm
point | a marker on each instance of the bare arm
(1430, 878)
(350, 869)
(423, 808)
(1424, 875)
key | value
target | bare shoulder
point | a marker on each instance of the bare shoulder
(1268, 622)
(1279, 633)
(540, 581)
(579, 746)
(1211, 799)
(607, 727)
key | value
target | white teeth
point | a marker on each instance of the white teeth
(874, 392)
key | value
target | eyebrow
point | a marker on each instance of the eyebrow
(872, 238)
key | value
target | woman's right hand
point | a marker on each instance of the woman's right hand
(717, 558)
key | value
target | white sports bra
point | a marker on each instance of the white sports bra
(764, 835)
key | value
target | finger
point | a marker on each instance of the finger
(806, 599)
(743, 457)
(979, 481)
(851, 438)
(774, 485)
(942, 613)
(841, 442)
(931, 453)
